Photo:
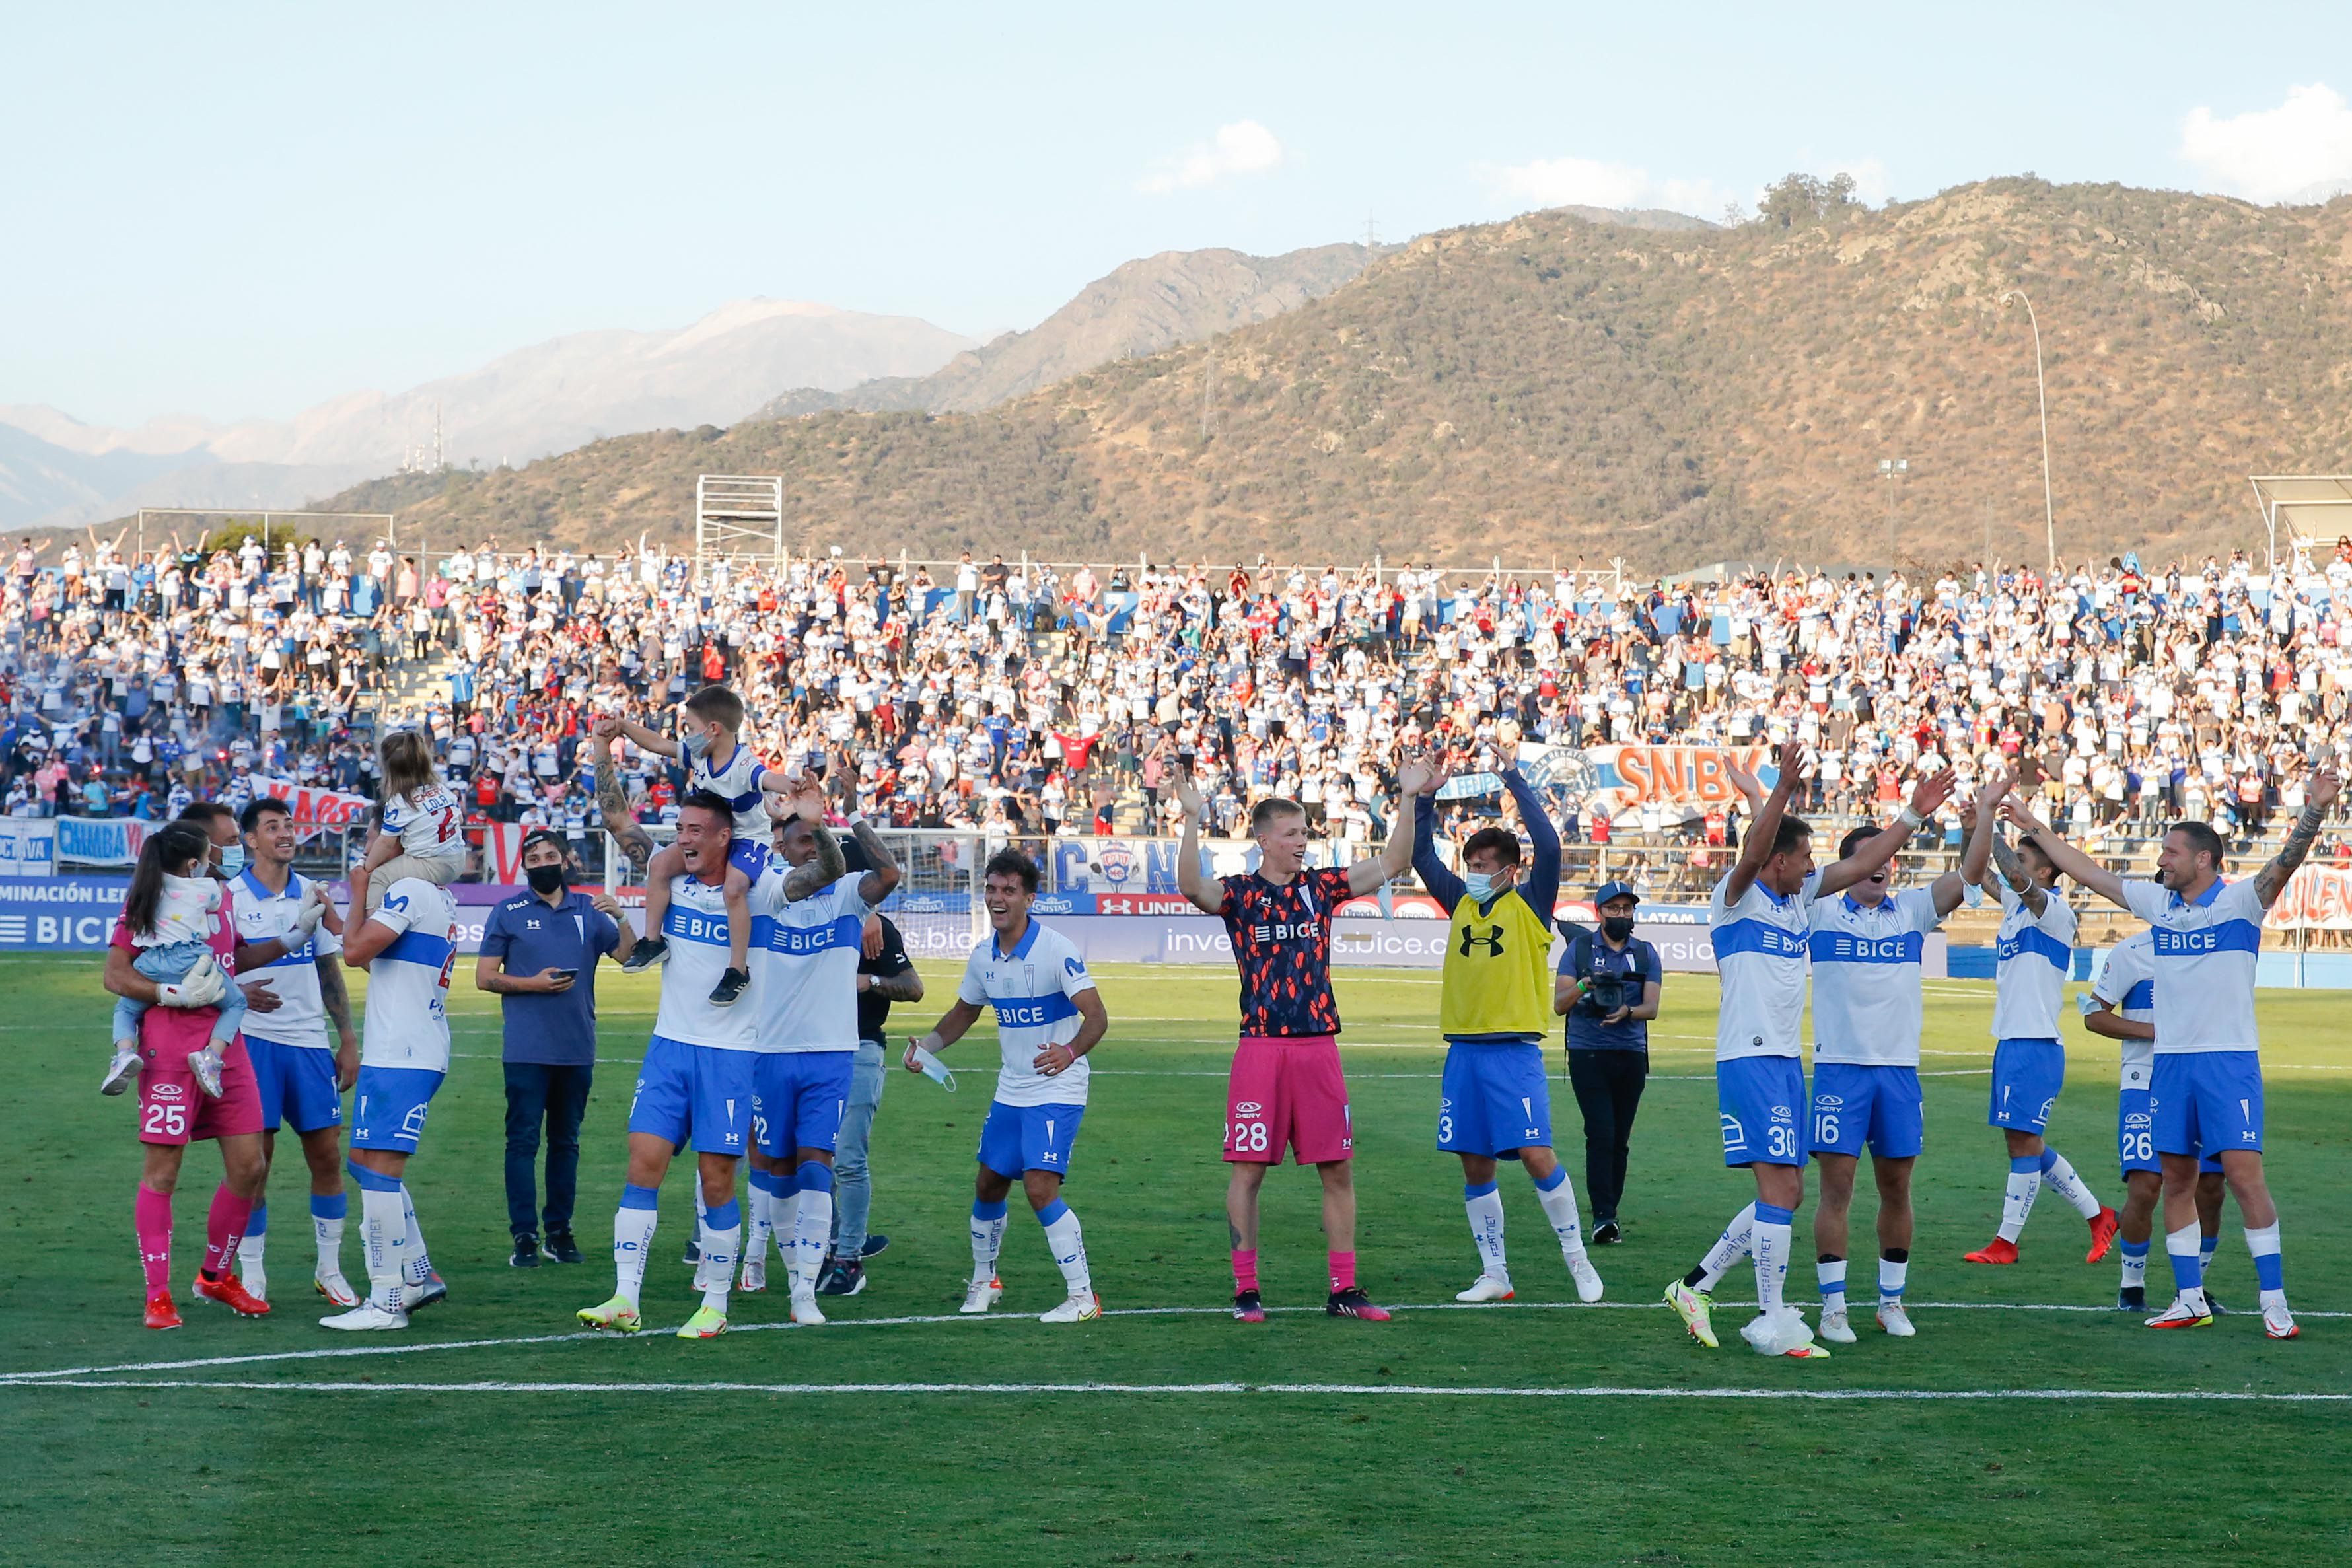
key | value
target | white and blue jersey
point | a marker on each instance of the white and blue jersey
(1761, 952)
(2206, 1084)
(806, 953)
(2033, 956)
(1867, 964)
(2127, 984)
(696, 928)
(1033, 990)
(427, 822)
(737, 782)
(294, 1061)
(404, 1043)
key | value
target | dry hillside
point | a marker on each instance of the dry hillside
(1555, 389)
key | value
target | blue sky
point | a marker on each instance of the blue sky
(241, 210)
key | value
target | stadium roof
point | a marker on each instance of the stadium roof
(2312, 506)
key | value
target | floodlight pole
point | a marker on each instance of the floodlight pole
(2041, 394)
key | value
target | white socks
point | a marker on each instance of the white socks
(812, 1229)
(248, 1263)
(1484, 1204)
(415, 1267)
(1069, 1245)
(1892, 1278)
(763, 1225)
(633, 1234)
(2017, 1198)
(721, 1243)
(1771, 1245)
(2068, 1186)
(1830, 1272)
(1559, 1202)
(329, 1235)
(1736, 1242)
(987, 1239)
(384, 1235)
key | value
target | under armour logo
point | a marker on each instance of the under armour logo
(1492, 942)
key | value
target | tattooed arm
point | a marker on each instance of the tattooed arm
(882, 874)
(336, 998)
(2272, 879)
(614, 806)
(830, 865)
(2012, 871)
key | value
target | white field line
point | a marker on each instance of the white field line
(651, 1333)
(1327, 1390)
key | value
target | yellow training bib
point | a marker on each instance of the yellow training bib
(1498, 970)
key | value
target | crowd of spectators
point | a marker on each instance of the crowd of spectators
(1036, 698)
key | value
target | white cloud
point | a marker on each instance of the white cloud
(2301, 149)
(1245, 147)
(1588, 182)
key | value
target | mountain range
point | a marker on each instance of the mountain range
(1552, 388)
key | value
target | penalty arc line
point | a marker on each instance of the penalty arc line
(1324, 1390)
(650, 1335)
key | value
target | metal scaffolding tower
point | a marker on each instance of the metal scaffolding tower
(738, 515)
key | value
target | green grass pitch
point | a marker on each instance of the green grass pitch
(1576, 1435)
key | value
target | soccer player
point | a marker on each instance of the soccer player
(1494, 1002)
(302, 1077)
(709, 726)
(2205, 1090)
(697, 1081)
(1866, 946)
(1049, 1017)
(1761, 917)
(2122, 1006)
(2029, 1066)
(809, 917)
(1285, 1088)
(407, 947)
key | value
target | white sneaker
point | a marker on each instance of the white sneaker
(2187, 1311)
(205, 1065)
(1835, 1328)
(804, 1311)
(335, 1288)
(1487, 1288)
(2278, 1322)
(981, 1295)
(121, 1069)
(1588, 1278)
(1074, 1310)
(755, 1274)
(1895, 1320)
(367, 1315)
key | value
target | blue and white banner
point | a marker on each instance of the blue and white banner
(100, 840)
(65, 914)
(29, 847)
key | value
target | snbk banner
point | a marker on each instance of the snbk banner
(1623, 777)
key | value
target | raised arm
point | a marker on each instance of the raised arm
(1442, 884)
(882, 868)
(660, 745)
(1540, 886)
(1879, 848)
(614, 806)
(1952, 886)
(2070, 861)
(1395, 858)
(830, 865)
(1764, 820)
(2272, 879)
(1207, 893)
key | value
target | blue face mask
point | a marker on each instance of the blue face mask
(1480, 885)
(232, 859)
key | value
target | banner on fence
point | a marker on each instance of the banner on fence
(2316, 897)
(309, 805)
(59, 914)
(29, 847)
(1697, 777)
(100, 840)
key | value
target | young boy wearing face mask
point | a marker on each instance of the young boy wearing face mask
(1493, 1103)
(1607, 989)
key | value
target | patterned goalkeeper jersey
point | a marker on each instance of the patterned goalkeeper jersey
(1282, 944)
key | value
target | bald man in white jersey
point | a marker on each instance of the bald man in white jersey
(2206, 1089)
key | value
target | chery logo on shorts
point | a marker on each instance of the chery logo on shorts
(1780, 1111)
(1829, 1101)
(165, 1091)
(1247, 1108)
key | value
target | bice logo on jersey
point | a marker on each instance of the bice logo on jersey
(2188, 943)
(695, 927)
(1027, 1013)
(1284, 931)
(1870, 949)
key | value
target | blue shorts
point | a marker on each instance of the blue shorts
(747, 855)
(298, 1085)
(1857, 1104)
(389, 1105)
(2026, 1078)
(798, 1098)
(1018, 1138)
(1760, 1099)
(2206, 1102)
(1494, 1100)
(703, 1092)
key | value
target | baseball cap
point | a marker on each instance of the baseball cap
(1609, 891)
(543, 835)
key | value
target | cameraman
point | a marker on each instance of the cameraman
(1608, 987)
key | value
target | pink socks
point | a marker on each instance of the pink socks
(154, 1213)
(1343, 1270)
(1245, 1269)
(223, 1228)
